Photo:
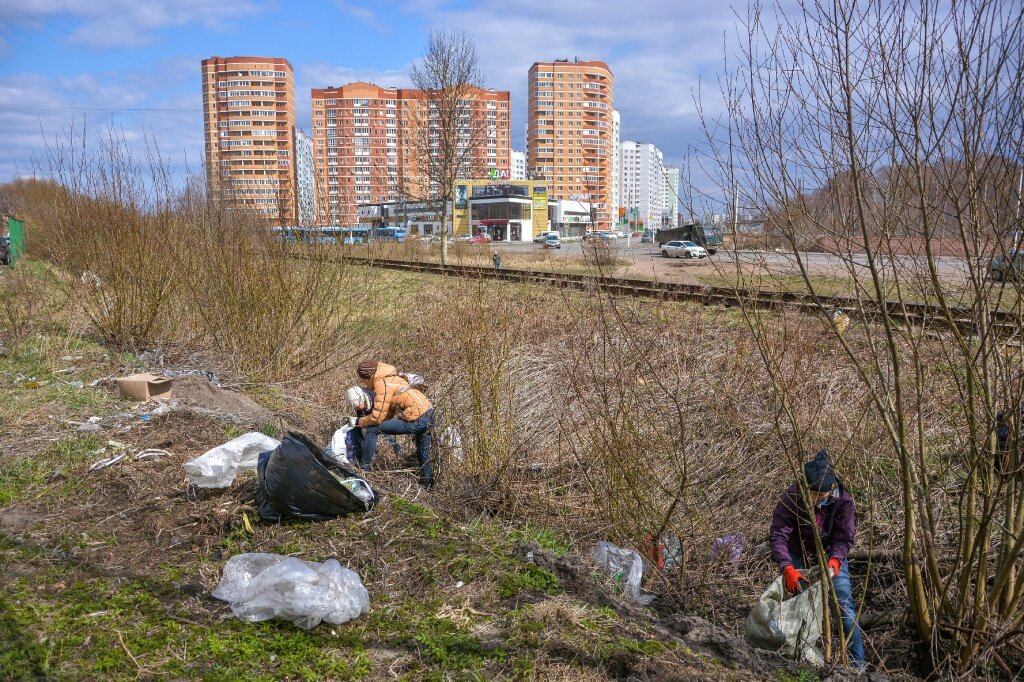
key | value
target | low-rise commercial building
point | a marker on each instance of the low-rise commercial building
(513, 210)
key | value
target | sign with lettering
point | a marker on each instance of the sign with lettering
(499, 174)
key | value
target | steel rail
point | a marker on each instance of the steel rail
(1002, 322)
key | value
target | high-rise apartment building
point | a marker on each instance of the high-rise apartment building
(518, 165)
(642, 183)
(367, 146)
(570, 126)
(670, 205)
(305, 185)
(249, 121)
(616, 172)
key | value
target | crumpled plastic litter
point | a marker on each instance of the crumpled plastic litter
(217, 468)
(342, 446)
(264, 586)
(789, 624)
(626, 568)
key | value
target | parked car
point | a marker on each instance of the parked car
(542, 236)
(553, 240)
(1010, 266)
(679, 249)
(619, 234)
(603, 235)
(480, 239)
(646, 237)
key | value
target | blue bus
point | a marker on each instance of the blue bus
(354, 235)
(310, 235)
(390, 234)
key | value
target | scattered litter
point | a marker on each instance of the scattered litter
(96, 382)
(70, 358)
(163, 406)
(75, 384)
(459, 585)
(727, 550)
(145, 417)
(789, 624)
(342, 448)
(668, 555)
(626, 569)
(88, 427)
(216, 468)
(264, 586)
(66, 370)
(841, 320)
(104, 463)
(35, 384)
(151, 453)
(143, 387)
(450, 440)
(298, 479)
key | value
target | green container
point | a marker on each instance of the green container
(16, 230)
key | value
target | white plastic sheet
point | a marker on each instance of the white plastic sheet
(788, 623)
(218, 467)
(264, 586)
(625, 566)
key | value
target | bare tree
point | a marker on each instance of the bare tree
(445, 134)
(887, 135)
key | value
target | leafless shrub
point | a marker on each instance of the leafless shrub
(882, 134)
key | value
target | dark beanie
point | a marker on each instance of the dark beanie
(819, 473)
(366, 368)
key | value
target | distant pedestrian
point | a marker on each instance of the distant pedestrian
(496, 257)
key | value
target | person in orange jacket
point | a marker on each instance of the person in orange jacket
(397, 409)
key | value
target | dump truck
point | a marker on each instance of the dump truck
(708, 236)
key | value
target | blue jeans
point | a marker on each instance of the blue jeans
(419, 428)
(848, 609)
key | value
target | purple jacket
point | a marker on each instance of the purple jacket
(792, 535)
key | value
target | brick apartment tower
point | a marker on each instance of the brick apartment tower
(362, 152)
(249, 119)
(570, 132)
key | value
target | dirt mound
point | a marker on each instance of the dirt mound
(201, 395)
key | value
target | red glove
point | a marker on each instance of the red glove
(834, 565)
(792, 578)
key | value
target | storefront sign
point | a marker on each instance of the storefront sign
(499, 174)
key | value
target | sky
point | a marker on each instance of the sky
(135, 64)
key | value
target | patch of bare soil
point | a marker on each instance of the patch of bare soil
(199, 394)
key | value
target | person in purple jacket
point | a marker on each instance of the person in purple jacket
(792, 540)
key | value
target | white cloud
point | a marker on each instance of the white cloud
(35, 111)
(657, 49)
(128, 23)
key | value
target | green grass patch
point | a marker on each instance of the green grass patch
(528, 577)
(24, 476)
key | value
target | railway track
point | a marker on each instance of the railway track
(1005, 323)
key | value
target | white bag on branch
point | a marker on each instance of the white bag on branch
(264, 586)
(790, 624)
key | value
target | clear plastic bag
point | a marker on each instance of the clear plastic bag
(217, 468)
(625, 567)
(264, 586)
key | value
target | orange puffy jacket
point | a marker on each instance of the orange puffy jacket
(393, 397)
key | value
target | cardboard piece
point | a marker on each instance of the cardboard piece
(143, 387)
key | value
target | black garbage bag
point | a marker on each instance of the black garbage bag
(298, 480)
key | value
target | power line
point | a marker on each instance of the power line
(29, 107)
(87, 40)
